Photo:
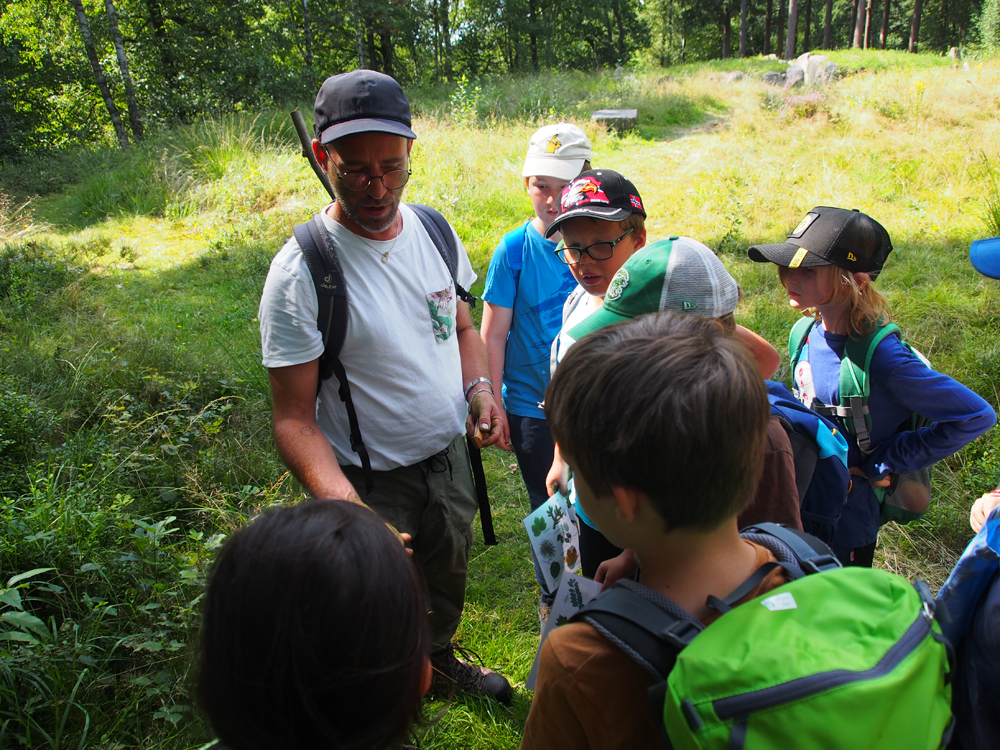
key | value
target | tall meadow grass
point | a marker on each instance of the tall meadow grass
(134, 413)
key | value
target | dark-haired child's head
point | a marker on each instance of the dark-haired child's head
(315, 633)
(666, 404)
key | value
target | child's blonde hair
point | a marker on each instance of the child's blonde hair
(869, 308)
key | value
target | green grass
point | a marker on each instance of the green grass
(134, 414)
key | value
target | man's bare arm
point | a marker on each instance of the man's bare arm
(483, 408)
(496, 327)
(303, 447)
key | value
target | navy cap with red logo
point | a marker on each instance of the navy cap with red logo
(826, 236)
(597, 194)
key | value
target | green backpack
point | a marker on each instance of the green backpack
(850, 658)
(853, 415)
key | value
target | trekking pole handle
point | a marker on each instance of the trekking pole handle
(307, 151)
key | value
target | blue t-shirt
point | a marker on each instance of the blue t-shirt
(900, 384)
(537, 298)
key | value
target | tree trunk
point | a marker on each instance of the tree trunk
(854, 22)
(918, 7)
(727, 33)
(780, 47)
(868, 23)
(743, 28)
(616, 11)
(387, 56)
(767, 27)
(793, 20)
(446, 35)
(944, 25)
(885, 23)
(359, 35)
(134, 116)
(373, 62)
(307, 33)
(807, 31)
(859, 24)
(102, 82)
(533, 33)
(828, 26)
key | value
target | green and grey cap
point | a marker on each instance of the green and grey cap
(678, 274)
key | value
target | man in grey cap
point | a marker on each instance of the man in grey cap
(417, 368)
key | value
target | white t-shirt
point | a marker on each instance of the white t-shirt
(401, 353)
(587, 304)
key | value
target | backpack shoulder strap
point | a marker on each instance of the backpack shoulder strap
(443, 237)
(331, 293)
(797, 339)
(812, 555)
(514, 243)
(651, 634)
(569, 306)
(855, 383)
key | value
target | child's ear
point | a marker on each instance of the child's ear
(626, 501)
(426, 677)
(526, 185)
(640, 238)
(861, 279)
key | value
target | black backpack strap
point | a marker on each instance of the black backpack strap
(652, 634)
(331, 293)
(443, 238)
(812, 555)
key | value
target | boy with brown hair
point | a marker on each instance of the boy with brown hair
(663, 420)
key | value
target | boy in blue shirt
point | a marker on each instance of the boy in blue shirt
(526, 286)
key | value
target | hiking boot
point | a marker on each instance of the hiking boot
(450, 672)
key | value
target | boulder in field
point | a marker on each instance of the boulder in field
(774, 78)
(619, 120)
(733, 76)
(814, 71)
(795, 76)
(830, 71)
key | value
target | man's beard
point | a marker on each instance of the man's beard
(345, 198)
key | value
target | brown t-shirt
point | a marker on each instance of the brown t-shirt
(590, 694)
(777, 497)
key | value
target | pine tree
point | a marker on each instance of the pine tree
(989, 24)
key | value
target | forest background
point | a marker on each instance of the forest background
(95, 71)
(134, 413)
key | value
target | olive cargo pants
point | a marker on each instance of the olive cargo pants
(434, 501)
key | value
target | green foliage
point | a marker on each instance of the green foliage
(538, 526)
(989, 25)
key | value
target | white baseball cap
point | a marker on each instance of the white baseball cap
(557, 151)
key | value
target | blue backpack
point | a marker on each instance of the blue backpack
(820, 452)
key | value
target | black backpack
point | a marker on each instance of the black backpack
(331, 292)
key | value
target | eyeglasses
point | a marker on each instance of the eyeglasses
(598, 251)
(357, 182)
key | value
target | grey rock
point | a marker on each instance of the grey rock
(619, 120)
(795, 76)
(830, 72)
(814, 71)
(774, 78)
(803, 61)
(733, 76)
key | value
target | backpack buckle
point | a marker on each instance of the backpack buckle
(679, 634)
(819, 564)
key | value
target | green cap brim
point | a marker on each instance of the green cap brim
(597, 319)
